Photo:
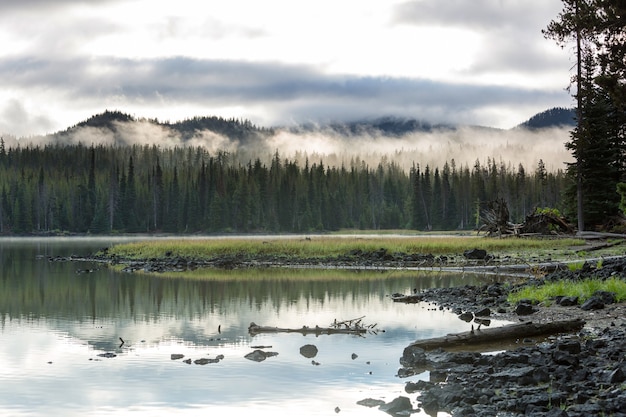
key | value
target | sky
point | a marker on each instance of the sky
(278, 62)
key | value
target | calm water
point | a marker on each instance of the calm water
(56, 322)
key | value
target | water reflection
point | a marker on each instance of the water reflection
(55, 323)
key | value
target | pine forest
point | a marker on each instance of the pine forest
(104, 189)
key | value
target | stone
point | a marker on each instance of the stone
(467, 316)
(571, 346)
(370, 402)
(593, 303)
(524, 309)
(397, 406)
(607, 297)
(567, 301)
(484, 312)
(308, 351)
(176, 356)
(259, 355)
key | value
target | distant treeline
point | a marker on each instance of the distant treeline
(109, 189)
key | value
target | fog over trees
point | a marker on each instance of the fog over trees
(232, 177)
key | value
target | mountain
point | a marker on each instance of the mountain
(241, 130)
(554, 117)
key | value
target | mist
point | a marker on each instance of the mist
(336, 147)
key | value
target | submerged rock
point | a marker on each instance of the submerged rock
(308, 351)
(259, 355)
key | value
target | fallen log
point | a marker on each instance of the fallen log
(509, 332)
(255, 329)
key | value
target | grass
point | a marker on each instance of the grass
(582, 289)
(330, 246)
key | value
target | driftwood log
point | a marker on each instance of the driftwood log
(255, 329)
(509, 332)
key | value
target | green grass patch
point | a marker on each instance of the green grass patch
(329, 246)
(581, 289)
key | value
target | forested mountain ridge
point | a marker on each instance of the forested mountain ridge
(557, 116)
(245, 131)
(92, 185)
(240, 130)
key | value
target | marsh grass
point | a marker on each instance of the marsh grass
(582, 289)
(330, 246)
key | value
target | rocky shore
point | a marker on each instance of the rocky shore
(582, 374)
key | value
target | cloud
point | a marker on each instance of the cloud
(510, 30)
(40, 5)
(285, 92)
(484, 15)
(15, 119)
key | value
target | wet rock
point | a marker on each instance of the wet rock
(107, 355)
(259, 356)
(176, 356)
(484, 312)
(370, 402)
(308, 351)
(467, 316)
(398, 406)
(354, 356)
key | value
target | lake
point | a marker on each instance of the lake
(61, 350)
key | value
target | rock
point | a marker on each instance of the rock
(398, 406)
(308, 351)
(593, 303)
(617, 376)
(354, 356)
(259, 356)
(467, 316)
(567, 301)
(475, 254)
(607, 297)
(205, 361)
(107, 355)
(484, 312)
(370, 402)
(524, 309)
(337, 409)
(176, 356)
(571, 346)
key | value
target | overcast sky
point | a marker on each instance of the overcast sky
(278, 62)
